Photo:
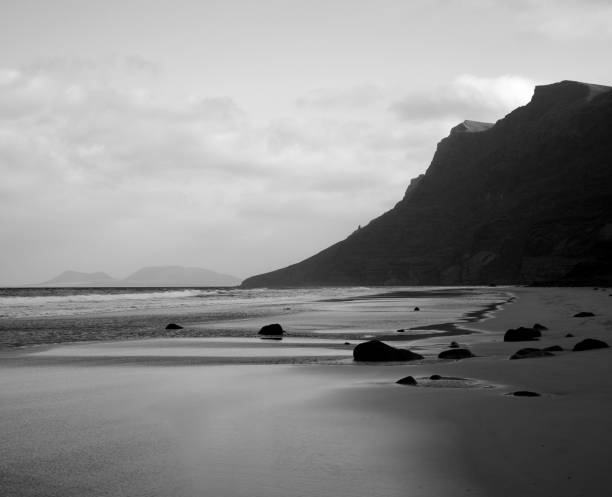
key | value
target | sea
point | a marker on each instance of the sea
(42, 316)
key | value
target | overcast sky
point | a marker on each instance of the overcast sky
(243, 136)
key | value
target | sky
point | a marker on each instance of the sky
(243, 136)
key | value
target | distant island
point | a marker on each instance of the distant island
(156, 276)
(527, 200)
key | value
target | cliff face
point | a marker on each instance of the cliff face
(527, 200)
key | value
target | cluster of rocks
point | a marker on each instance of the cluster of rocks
(524, 334)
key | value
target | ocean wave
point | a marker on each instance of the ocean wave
(97, 296)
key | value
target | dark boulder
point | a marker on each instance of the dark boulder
(529, 353)
(408, 380)
(401, 330)
(539, 327)
(174, 326)
(454, 345)
(271, 329)
(417, 309)
(569, 335)
(584, 315)
(590, 344)
(435, 377)
(455, 354)
(521, 334)
(553, 348)
(525, 393)
(377, 351)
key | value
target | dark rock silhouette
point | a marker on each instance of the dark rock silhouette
(400, 331)
(455, 354)
(271, 329)
(408, 380)
(377, 351)
(539, 327)
(525, 393)
(454, 345)
(174, 326)
(416, 309)
(584, 315)
(553, 348)
(590, 344)
(464, 221)
(529, 353)
(435, 377)
(521, 334)
(569, 335)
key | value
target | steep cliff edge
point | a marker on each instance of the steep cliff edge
(526, 200)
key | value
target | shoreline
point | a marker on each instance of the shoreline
(192, 421)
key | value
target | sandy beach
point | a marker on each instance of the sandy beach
(194, 416)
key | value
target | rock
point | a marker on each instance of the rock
(525, 393)
(271, 329)
(401, 331)
(569, 335)
(454, 345)
(553, 348)
(539, 327)
(377, 351)
(529, 353)
(521, 334)
(174, 326)
(590, 344)
(584, 315)
(417, 309)
(455, 354)
(408, 380)
(347, 343)
(435, 377)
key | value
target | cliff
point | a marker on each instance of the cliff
(526, 200)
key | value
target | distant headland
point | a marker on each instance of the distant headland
(155, 276)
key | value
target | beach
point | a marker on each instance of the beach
(237, 416)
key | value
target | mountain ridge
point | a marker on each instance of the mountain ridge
(153, 276)
(526, 200)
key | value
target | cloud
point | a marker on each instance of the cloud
(466, 97)
(355, 98)
(102, 173)
(92, 159)
(567, 20)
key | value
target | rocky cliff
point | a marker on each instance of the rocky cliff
(526, 200)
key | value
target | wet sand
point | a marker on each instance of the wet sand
(108, 419)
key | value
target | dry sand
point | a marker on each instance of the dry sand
(118, 426)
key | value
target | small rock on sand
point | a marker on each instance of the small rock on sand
(521, 334)
(377, 351)
(454, 345)
(584, 315)
(174, 326)
(271, 329)
(417, 309)
(408, 380)
(525, 393)
(569, 335)
(590, 344)
(455, 354)
(529, 353)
